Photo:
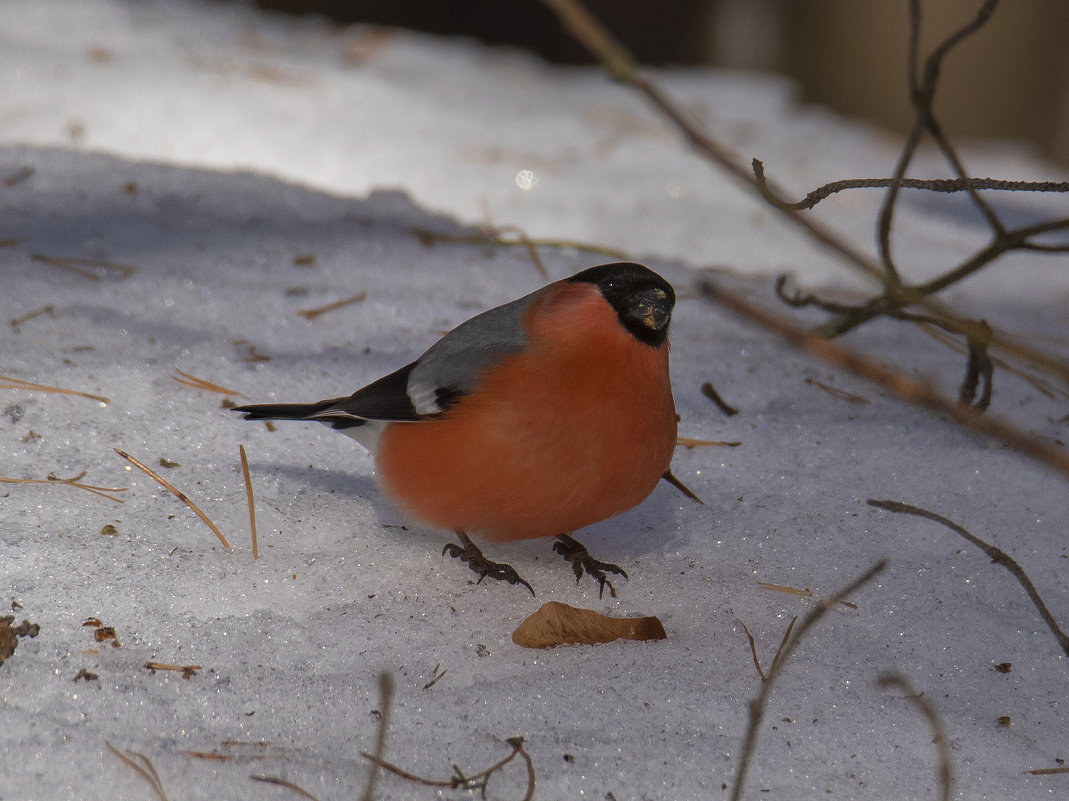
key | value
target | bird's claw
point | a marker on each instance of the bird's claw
(469, 552)
(583, 563)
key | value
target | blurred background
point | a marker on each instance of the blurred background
(1010, 81)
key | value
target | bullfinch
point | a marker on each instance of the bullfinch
(532, 419)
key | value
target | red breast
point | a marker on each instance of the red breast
(578, 427)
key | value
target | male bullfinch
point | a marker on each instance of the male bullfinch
(532, 419)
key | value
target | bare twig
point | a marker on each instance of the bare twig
(999, 556)
(527, 242)
(435, 677)
(475, 781)
(939, 737)
(944, 185)
(709, 391)
(75, 481)
(385, 707)
(758, 704)
(896, 382)
(621, 66)
(177, 493)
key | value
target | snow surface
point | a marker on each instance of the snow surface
(214, 149)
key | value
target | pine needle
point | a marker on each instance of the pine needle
(7, 382)
(248, 495)
(177, 493)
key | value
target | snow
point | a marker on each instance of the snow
(214, 149)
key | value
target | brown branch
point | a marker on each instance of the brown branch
(896, 382)
(709, 391)
(1001, 557)
(923, 96)
(75, 481)
(1009, 240)
(385, 707)
(284, 783)
(939, 736)
(943, 185)
(758, 704)
(621, 66)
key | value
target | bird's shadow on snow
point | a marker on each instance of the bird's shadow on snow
(648, 529)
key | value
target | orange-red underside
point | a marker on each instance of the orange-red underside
(577, 428)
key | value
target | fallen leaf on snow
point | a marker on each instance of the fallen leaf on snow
(560, 624)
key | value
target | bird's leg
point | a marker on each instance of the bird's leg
(469, 552)
(582, 562)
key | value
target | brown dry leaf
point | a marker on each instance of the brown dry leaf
(9, 635)
(560, 624)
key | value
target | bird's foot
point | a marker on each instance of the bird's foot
(582, 562)
(469, 552)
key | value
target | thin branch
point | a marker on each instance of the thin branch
(898, 383)
(1009, 240)
(923, 97)
(385, 706)
(943, 185)
(621, 66)
(709, 391)
(939, 736)
(758, 704)
(1001, 557)
(75, 481)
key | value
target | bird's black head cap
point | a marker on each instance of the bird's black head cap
(642, 299)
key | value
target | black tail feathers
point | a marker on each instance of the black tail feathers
(283, 411)
(298, 411)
